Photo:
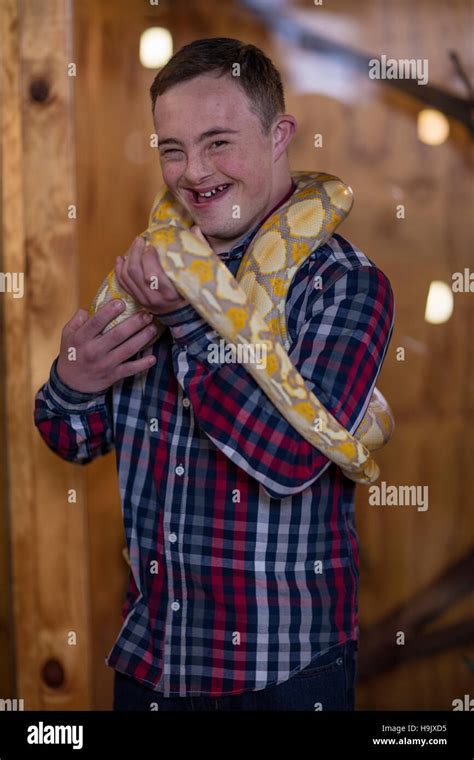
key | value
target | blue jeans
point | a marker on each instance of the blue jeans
(328, 683)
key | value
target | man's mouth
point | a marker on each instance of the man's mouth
(208, 195)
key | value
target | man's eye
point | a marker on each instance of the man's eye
(170, 150)
(219, 143)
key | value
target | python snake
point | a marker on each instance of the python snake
(249, 309)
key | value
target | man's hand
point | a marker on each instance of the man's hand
(101, 360)
(142, 276)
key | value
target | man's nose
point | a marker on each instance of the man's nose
(198, 169)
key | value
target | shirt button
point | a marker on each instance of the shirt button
(186, 402)
(175, 606)
(173, 537)
(179, 470)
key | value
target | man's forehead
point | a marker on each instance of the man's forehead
(208, 85)
(205, 101)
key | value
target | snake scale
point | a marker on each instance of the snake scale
(249, 309)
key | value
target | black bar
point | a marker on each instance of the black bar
(324, 735)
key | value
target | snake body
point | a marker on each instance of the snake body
(249, 309)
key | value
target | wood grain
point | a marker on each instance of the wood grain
(50, 556)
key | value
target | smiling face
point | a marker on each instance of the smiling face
(211, 141)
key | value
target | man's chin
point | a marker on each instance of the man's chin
(216, 233)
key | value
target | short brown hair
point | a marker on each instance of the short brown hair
(257, 74)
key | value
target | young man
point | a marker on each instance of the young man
(243, 590)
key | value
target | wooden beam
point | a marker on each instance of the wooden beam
(379, 649)
(49, 551)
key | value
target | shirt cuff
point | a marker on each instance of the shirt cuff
(66, 399)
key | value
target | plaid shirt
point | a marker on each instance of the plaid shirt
(241, 535)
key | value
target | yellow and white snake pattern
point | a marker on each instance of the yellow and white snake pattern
(249, 309)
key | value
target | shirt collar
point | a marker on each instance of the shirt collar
(238, 248)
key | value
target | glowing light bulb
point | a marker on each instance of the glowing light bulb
(439, 304)
(433, 127)
(156, 47)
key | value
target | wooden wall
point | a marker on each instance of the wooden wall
(369, 140)
(375, 148)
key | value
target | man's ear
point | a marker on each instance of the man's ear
(283, 130)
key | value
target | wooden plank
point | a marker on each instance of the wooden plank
(50, 578)
(17, 359)
(7, 686)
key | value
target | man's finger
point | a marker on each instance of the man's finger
(152, 264)
(103, 316)
(152, 270)
(126, 282)
(134, 276)
(77, 320)
(196, 231)
(119, 272)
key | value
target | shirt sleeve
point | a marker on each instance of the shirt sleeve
(339, 352)
(75, 425)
